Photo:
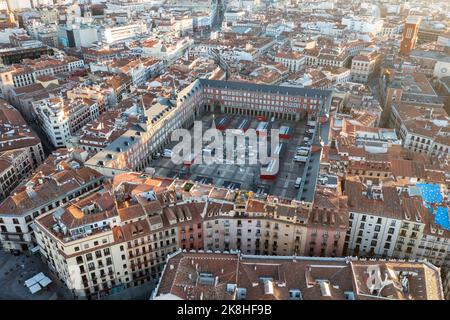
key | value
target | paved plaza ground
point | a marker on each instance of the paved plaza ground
(243, 176)
(15, 270)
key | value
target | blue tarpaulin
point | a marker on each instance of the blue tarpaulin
(441, 217)
(431, 193)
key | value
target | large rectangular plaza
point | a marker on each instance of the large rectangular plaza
(248, 176)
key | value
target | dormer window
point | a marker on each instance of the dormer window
(295, 294)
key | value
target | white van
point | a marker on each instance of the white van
(167, 153)
(300, 159)
(207, 152)
(298, 182)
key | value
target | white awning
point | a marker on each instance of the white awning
(30, 282)
(35, 280)
(45, 282)
(34, 249)
(35, 288)
(39, 277)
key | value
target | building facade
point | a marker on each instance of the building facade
(409, 38)
(364, 66)
(42, 193)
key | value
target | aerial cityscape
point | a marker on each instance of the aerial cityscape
(224, 150)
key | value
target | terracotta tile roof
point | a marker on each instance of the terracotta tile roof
(208, 276)
(44, 188)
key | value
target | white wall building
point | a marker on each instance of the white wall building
(442, 68)
(61, 118)
(232, 16)
(202, 20)
(361, 25)
(18, 4)
(77, 36)
(111, 34)
(372, 231)
(293, 60)
(53, 121)
(168, 53)
(364, 66)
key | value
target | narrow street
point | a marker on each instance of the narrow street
(48, 147)
(374, 86)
